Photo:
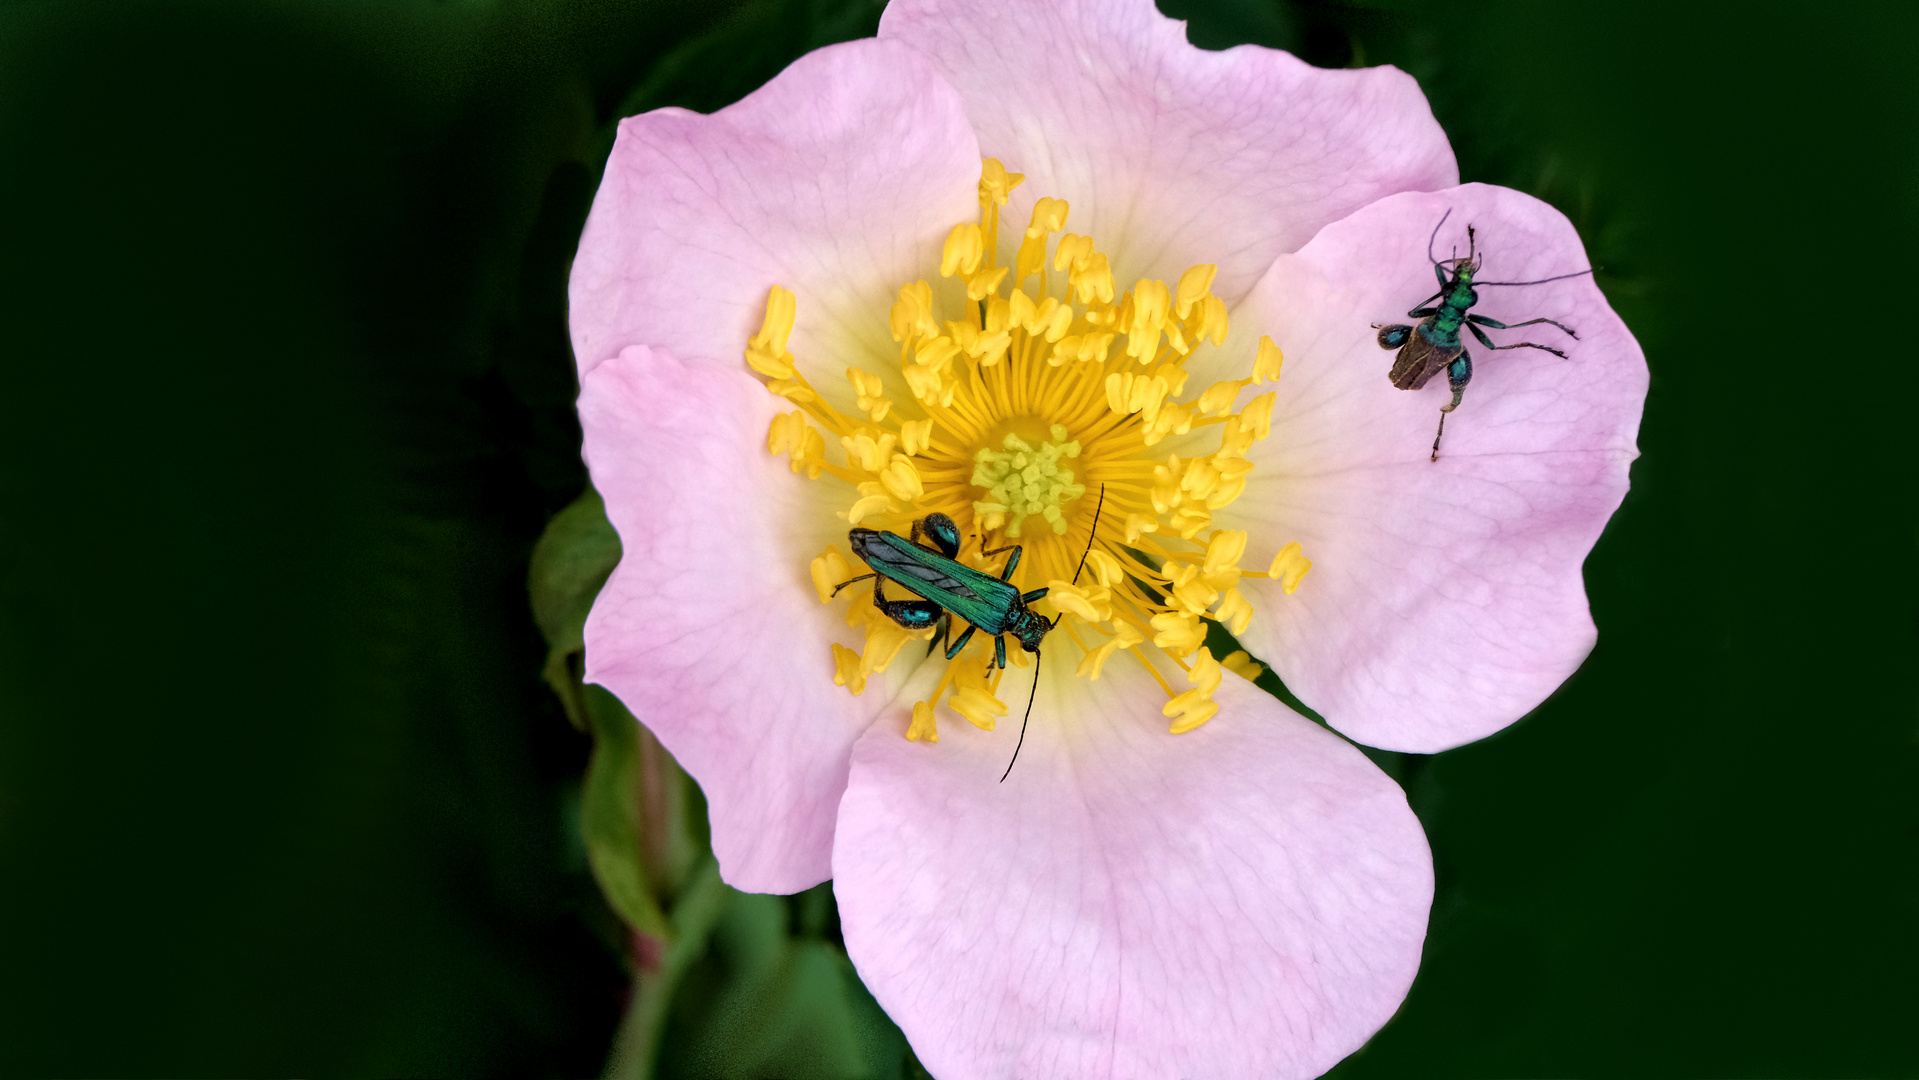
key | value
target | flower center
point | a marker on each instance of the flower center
(1048, 386)
(1024, 480)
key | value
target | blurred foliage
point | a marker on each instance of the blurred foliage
(725, 984)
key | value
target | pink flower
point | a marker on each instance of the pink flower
(1181, 877)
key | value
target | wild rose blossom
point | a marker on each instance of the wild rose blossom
(1012, 262)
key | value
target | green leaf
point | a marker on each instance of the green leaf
(610, 815)
(572, 559)
(772, 998)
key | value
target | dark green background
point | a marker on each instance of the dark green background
(285, 400)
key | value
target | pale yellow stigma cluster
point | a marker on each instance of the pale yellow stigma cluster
(1044, 392)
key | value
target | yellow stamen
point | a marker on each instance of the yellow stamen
(829, 569)
(1240, 663)
(1196, 706)
(766, 350)
(1289, 566)
(1045, 385)
(846, 670)
(923, 726)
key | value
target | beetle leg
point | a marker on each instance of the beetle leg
(1497, 325)
(1458, 373)
(999, 649)
(1006, 574)
(1488, 342)
(844, 584)
(940, 630)
(961, 643)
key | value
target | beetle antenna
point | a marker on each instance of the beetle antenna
(1541, 281)
(1097, 507)
(1435, 236)
(1022, 723)
(1090, 533)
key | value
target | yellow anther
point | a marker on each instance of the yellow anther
(1082, 349)
(1232, 482)
(995, 183)
(829, 569)
(1176, 339)
(1243, 665)
(1052, 321)
(1130, 393)
(1173, 419)
(863, 451)
(1257, 416)
(1047, 319)
(983, 283)
(1093, 662)
(1175, 377)
(868, 505)
(1093, 282)
(923, 726)
(1199, 479)
(1138, 525)
(1235, 612)
(846, 669)
(999, 314)
(916, 436)
(988, 347)
(1094, 603)
(1235, 439)
(964, 251)
(790, 434)
(1166, 493)
(1289, 566)
(1073, 251)
(1223, 552)
(1211, 323)
(870, 392)
(1219, 397)
(912, 314)
(1266, 365)
(1086, 270)
(884, 637)
(766, 351)
(902, 480)
(1151, 299)
(1030, 260)
(936, 353)
(1196, 706)
(1188, 589)
(930, 384)
(1188, 520)
(978, 706)
(1178, 632)
(1230, 488)
(1195, 285)
(1049, 217)
(1104, 568)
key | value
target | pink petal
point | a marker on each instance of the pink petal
(839, 180)
(1170, 155)
(710, 630)
(1445, 599)
(1246, 899)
